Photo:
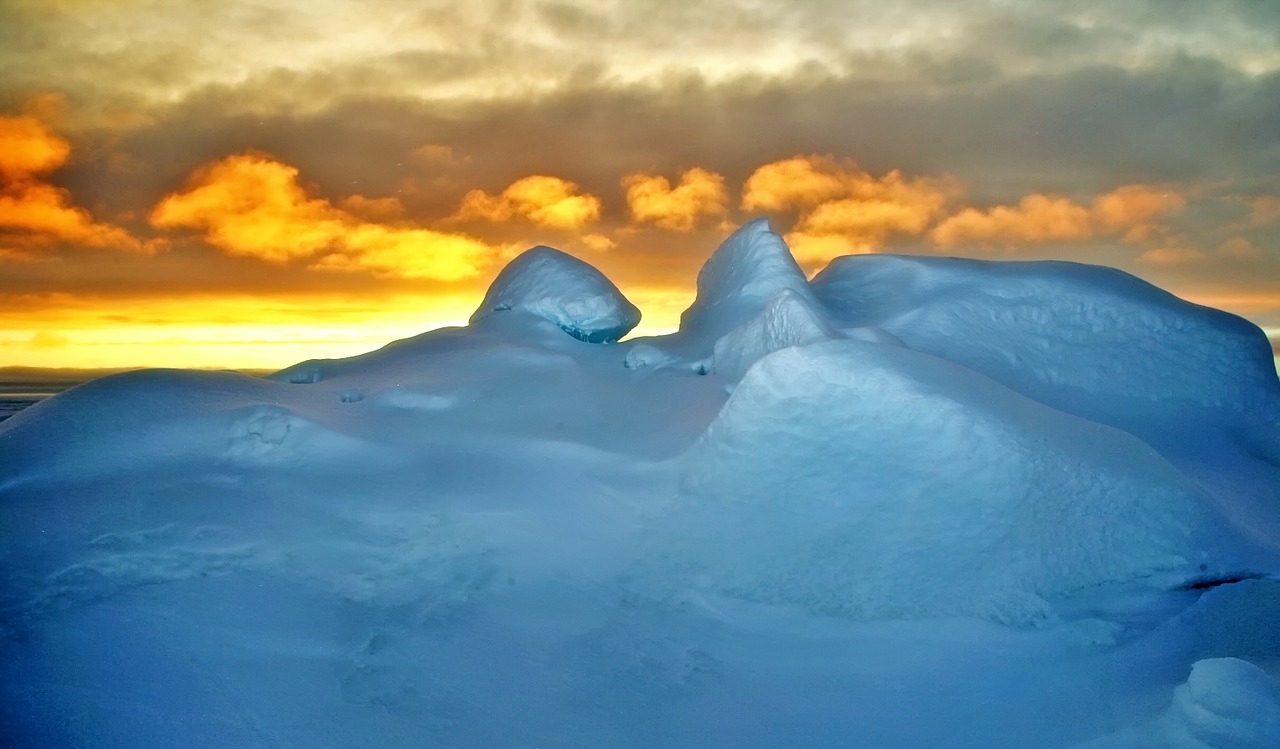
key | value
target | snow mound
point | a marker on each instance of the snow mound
(740, 278)
(558, 287)
(789, 319)
(1088, 339)
(497, 535)
(873, 481)
(1226, 703)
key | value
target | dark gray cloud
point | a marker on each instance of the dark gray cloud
(1069, 97)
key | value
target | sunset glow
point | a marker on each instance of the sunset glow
(247, 185)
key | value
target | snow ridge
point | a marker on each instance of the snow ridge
(558, 287)
(740, 278)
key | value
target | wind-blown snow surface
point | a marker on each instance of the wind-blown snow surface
(918, 502)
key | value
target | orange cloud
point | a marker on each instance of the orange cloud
(1236, 249)
(1264, 210)
(1239, 248)
(1172, 256)
(844, 209)
(251, 204)
(1135, 205)
(1036, 218)
(1051, 218)
(652, 199)
(796, 182)
(373, 209)
(542, 200)
(436, 155)
(29, 148)
(35, 213)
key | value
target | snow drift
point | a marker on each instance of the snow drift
(564, 290)
(916, 502)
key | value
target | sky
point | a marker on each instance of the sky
(251, 183)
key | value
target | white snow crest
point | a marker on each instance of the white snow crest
(873, 481)
(740, 278)
(789, 319)
(1068, 334)
(560, 288)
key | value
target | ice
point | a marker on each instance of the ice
(866, 480)
(1078, 337)
(568, 292)
(787, 320)
(746, 271)
(1195, 383)
(926, 502)
(742, 275)
(1226, 703)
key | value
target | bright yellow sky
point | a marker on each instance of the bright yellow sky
(250, 184)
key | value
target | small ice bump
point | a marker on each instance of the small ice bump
(644, 356)
(304, 376)
(560, 288)
(352, 396)
(1227, 703)
(788, 319)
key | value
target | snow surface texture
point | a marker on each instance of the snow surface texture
(919, 502)
(564, 290)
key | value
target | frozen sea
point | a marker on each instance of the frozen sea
(15, 396)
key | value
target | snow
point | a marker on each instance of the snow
(1225, 703)
(787, 320)
(918, 502)
(560, 288)
(855, 478)
(740, 279)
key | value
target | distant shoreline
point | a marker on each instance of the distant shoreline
(74, 374)
(23, 387)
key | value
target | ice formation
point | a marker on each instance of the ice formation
(1078, 337)
(916, 502)
(787, 320)
(873, 480)
(568, 292)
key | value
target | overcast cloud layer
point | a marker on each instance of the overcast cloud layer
(184, 150)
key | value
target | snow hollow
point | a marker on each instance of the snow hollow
(914, 502)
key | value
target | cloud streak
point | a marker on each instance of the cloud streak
(253, 205)
(546, 201)
(35, 214)
(699, 194)
(842, 208)
(1037, 219)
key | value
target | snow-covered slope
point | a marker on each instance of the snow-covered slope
(872, 480)
(948, 503)
(787, 320)
(560, 288)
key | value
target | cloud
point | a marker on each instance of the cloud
(545, 201)
(798, 182)
(652, 199)
(1264, 210)
(1130, 209)
(597, 242)
(1234, 250)
(252, 204)
(46, 340)
(843, 208)
(1172, 256)
(436, 155)
(29, 148)
(34, 213)
(1035, 219)
(1240, 248)
(373, 209)
(1038, 219)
